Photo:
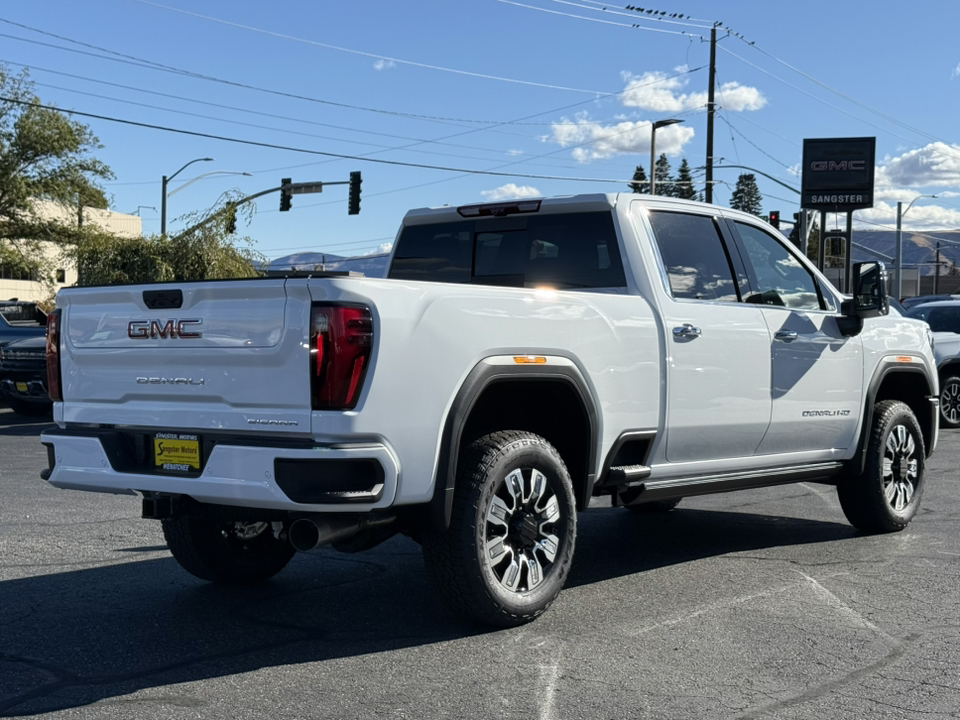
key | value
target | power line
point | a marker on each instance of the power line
(273, 146)
(387, 58)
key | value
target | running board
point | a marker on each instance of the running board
(728, 482)
(626, 475)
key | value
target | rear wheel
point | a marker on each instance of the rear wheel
(886, 495)
(510, 544)
(235, 553)
(950, 402)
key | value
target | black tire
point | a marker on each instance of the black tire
(230, 553)
(886, 495)
(656, 507)
(513, 498)
(29, 409)
(950, 402)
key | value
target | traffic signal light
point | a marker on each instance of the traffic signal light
(775, 218)
(286, 196)
(231, 221)
(354, 205)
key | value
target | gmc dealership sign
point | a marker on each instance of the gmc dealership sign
(838, 173)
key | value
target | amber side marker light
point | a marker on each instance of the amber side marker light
(530, 360)
(904, 358)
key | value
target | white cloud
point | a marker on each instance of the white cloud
(594, 140)
(385, 248)
(657, 92)
(384, 64)
(515, 153)
(510, 191)
(934, 165)
(926, 216)
(956, 71)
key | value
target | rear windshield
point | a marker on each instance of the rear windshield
(562, 251)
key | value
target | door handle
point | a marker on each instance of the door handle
(686, 331)
(785, 335)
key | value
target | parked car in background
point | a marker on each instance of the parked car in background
(23, 376)
(896, 305)
(20, 320)
(943, 316)
(912, 302)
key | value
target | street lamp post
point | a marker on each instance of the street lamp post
(214, 172)
(898, 262)
(163, 199)
(653, 149)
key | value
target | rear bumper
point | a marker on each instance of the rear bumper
(319, 478)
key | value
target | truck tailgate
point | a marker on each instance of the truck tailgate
(224, 355)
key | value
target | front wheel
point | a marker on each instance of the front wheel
(230, 553)
(950, 402)
(886, 495)
(510, 544)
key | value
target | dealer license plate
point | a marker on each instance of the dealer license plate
(22, 387)
(179, 452)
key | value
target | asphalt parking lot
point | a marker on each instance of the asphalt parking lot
(761, 604)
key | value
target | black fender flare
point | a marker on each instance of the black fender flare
(880, 374)
(483, 375)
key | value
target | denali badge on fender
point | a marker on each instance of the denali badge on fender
(173, 328)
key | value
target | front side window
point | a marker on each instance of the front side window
(693, 257)
(778, 277)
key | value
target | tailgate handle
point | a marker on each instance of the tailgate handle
(158, 299)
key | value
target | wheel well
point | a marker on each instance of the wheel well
(551, 408)
(948, 370)
(912, 389)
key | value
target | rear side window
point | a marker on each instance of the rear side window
(570, 251)
(694, 257)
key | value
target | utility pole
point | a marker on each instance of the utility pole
(708, 193)
(936, 276)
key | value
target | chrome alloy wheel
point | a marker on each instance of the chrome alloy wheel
(950, 403)
(900, 468)
(519, 542)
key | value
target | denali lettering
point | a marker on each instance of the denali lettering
(169, 381)
(825, 413)
(831, 165)
(173, 328)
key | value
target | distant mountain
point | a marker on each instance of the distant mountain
(919, 249)
(369, 265)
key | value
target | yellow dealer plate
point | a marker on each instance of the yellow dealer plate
(22, 387)
(176, 451)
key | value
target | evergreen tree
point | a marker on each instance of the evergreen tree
(664, 184)
(684, 184)
(746, 196)
(640, 183)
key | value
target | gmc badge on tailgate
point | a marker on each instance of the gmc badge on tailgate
(173, 328)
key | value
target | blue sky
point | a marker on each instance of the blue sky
(560, 94)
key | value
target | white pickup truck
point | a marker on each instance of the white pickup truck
(520, 359)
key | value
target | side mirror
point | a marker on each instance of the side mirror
(870, 289)
(869, 297)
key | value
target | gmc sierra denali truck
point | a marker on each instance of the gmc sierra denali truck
(519, 359)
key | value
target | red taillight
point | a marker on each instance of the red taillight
(54, 384)
(341, 339)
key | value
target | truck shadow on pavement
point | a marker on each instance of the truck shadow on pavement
(73, 638)
(13, 424)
